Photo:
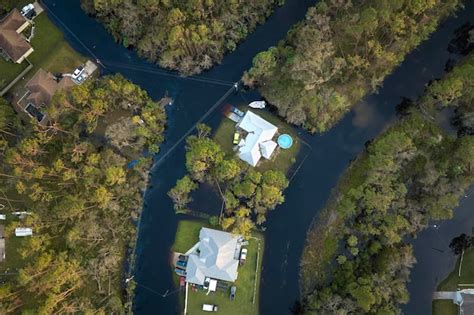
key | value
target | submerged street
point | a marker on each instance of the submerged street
(200, 98)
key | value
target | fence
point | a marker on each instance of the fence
(14, 81)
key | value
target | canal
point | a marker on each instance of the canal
(309, 189)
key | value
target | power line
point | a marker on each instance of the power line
(164, 295)
(136, 68)
(70, 31)
(188, 132)
(161, 71)
(165, 73)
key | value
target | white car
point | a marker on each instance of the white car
(243, 256)
(27, 8)
(77, 72)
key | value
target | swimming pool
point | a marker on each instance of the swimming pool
(285, 141)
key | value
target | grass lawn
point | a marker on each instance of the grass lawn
(281, 159)
(452, 282)
(13, 260)
(51, 51)
(186, 236)
(9, 71)
(467, 274)
(444, 307)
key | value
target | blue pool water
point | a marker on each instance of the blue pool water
(285, 141)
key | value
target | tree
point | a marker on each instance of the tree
(114, 175)
(227, 169)
(353, 45)
(180, 193)
(263, 64)
(202, 155)
(352, 241)
(364, 297)
(460, 243)
(195, 34)
(7, 118)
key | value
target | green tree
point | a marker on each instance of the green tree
(180, 193)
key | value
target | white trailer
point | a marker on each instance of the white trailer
(23, 231)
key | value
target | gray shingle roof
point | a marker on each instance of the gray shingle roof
(218, 257)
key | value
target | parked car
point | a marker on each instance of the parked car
(236, 138)
(182, 281)
(179, 271)
(181, 263)
(30, 15)
(238, 111)
(77, 71)
(27, 9)
(183, 257)
(243, 256)
(209, 308)
(232, 292)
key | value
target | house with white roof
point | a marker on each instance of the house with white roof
(215, 256)
(258, 143)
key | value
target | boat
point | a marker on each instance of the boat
(257, 104)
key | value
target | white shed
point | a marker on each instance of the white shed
(23, 231)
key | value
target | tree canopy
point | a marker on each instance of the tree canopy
(188, 36)
(410, 174)
(247, 194)
(82, 196)
(340, 52)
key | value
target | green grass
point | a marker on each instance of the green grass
(444, 307)
(451, 282)
(281, 159)
(187, 235)
(9, 71)
(51, 52)
(13, 260)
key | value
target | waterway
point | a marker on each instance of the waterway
(309, 189)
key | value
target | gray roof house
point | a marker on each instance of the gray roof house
(215, 256)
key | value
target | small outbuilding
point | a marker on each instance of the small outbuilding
(23, 231)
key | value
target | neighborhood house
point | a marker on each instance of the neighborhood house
(258, 142)
(214, 257)
(39, 92)
(13, 45)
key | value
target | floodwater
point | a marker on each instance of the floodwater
(311, 186)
